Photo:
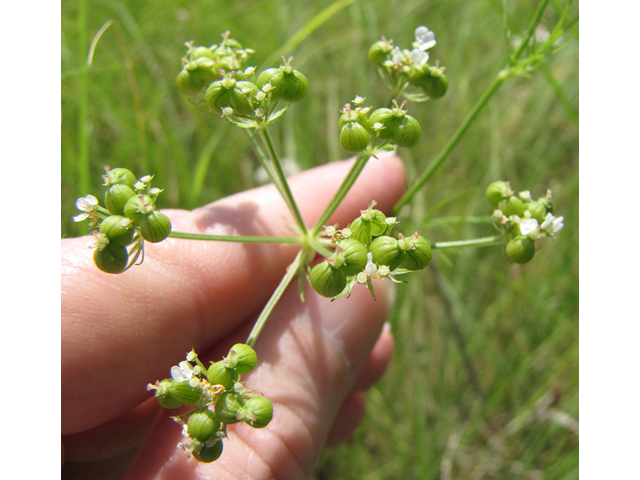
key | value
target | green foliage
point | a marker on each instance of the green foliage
(481, 345)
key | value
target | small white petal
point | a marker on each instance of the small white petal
(528, 226)
(547, 221)
(370, 269)
(81, 217)
(177, 375)
(419, 57)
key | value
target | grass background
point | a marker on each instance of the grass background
(484, 381)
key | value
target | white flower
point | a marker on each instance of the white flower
(397, 58)
(425, 38)
(184, 373)
(87, 204)
(528, 226)
(551, 224)
(419, 57)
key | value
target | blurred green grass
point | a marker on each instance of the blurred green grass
(484, 381)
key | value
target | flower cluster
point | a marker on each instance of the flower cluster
(218, 397)
(522, 220)
(365, 251)
(130, 218)
(408, 71)
(236, 91)
(377, 131)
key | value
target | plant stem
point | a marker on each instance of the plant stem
(499, 80)
(347, 183)
(234, 238)
(266, 138)
(475, 242)
(292, 270)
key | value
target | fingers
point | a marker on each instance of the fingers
(121, 331)
(310, 357)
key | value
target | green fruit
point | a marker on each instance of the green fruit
(207, 454)
(220, 374)
(203, 425)
(242, 358)
(436, 84)
(290, 85)
(379, 51)
(227, 406)
(118, 230)
(520, 250)
(355, 256)
(354, 137)
(386, 117)
(111, 258)
(196, 74)
(184, 393)
(120, 176)
(417, 252)
(164, 397)
(139, 206)
(155, 227)
(538, 210)
(497, 191)
(230, 93)
(407, 132)
(259, 412)
(511, 206)
(327, 280)
(116, 197)
(384, 251)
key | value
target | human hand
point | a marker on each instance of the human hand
(120, 332)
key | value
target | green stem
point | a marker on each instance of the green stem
(347, 183)
(264, 134)
(275, 297)
(499, 80)
(475, 242)
(234, 238)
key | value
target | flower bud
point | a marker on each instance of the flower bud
(118, 230)
(520, 249)
(417, 252)
(379, 51)
(436, 84)
(354, 137)
(241, 357)
(257, 412)
(139, 206)
(155, 227)
(227, 406)
(116, 197)
(511, 206)
(220, 374)
(384, 251)
(355, 256)
(184, 393)
(119, 176)
(407, 132)
(497, 191)
(327, 280)
(111, 258)
(205, 453)
(203, 425)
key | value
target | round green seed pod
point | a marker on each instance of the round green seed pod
(189, 82)
(116, 197)
(418, 256)
(242, 358)
(219, 374)
(111, 258)
(386, 117)
(164, 397)
(538, 210)
(355, 256)
(202, 52)
(229, 93)
(139, 206)
(293, 87)
(407, 132)
(384, 251)
(207, 454)
(497, 191)
(419, 76)
(227, 406)
(379, 51)
(520, 250)
(261, 411)
(436, 84)
(155, 227)
(511, 206)
(361, 230)
(354, 137)
(203, 425)
(326, 280)
(118, 230)
(120, 176)
(184, 393)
